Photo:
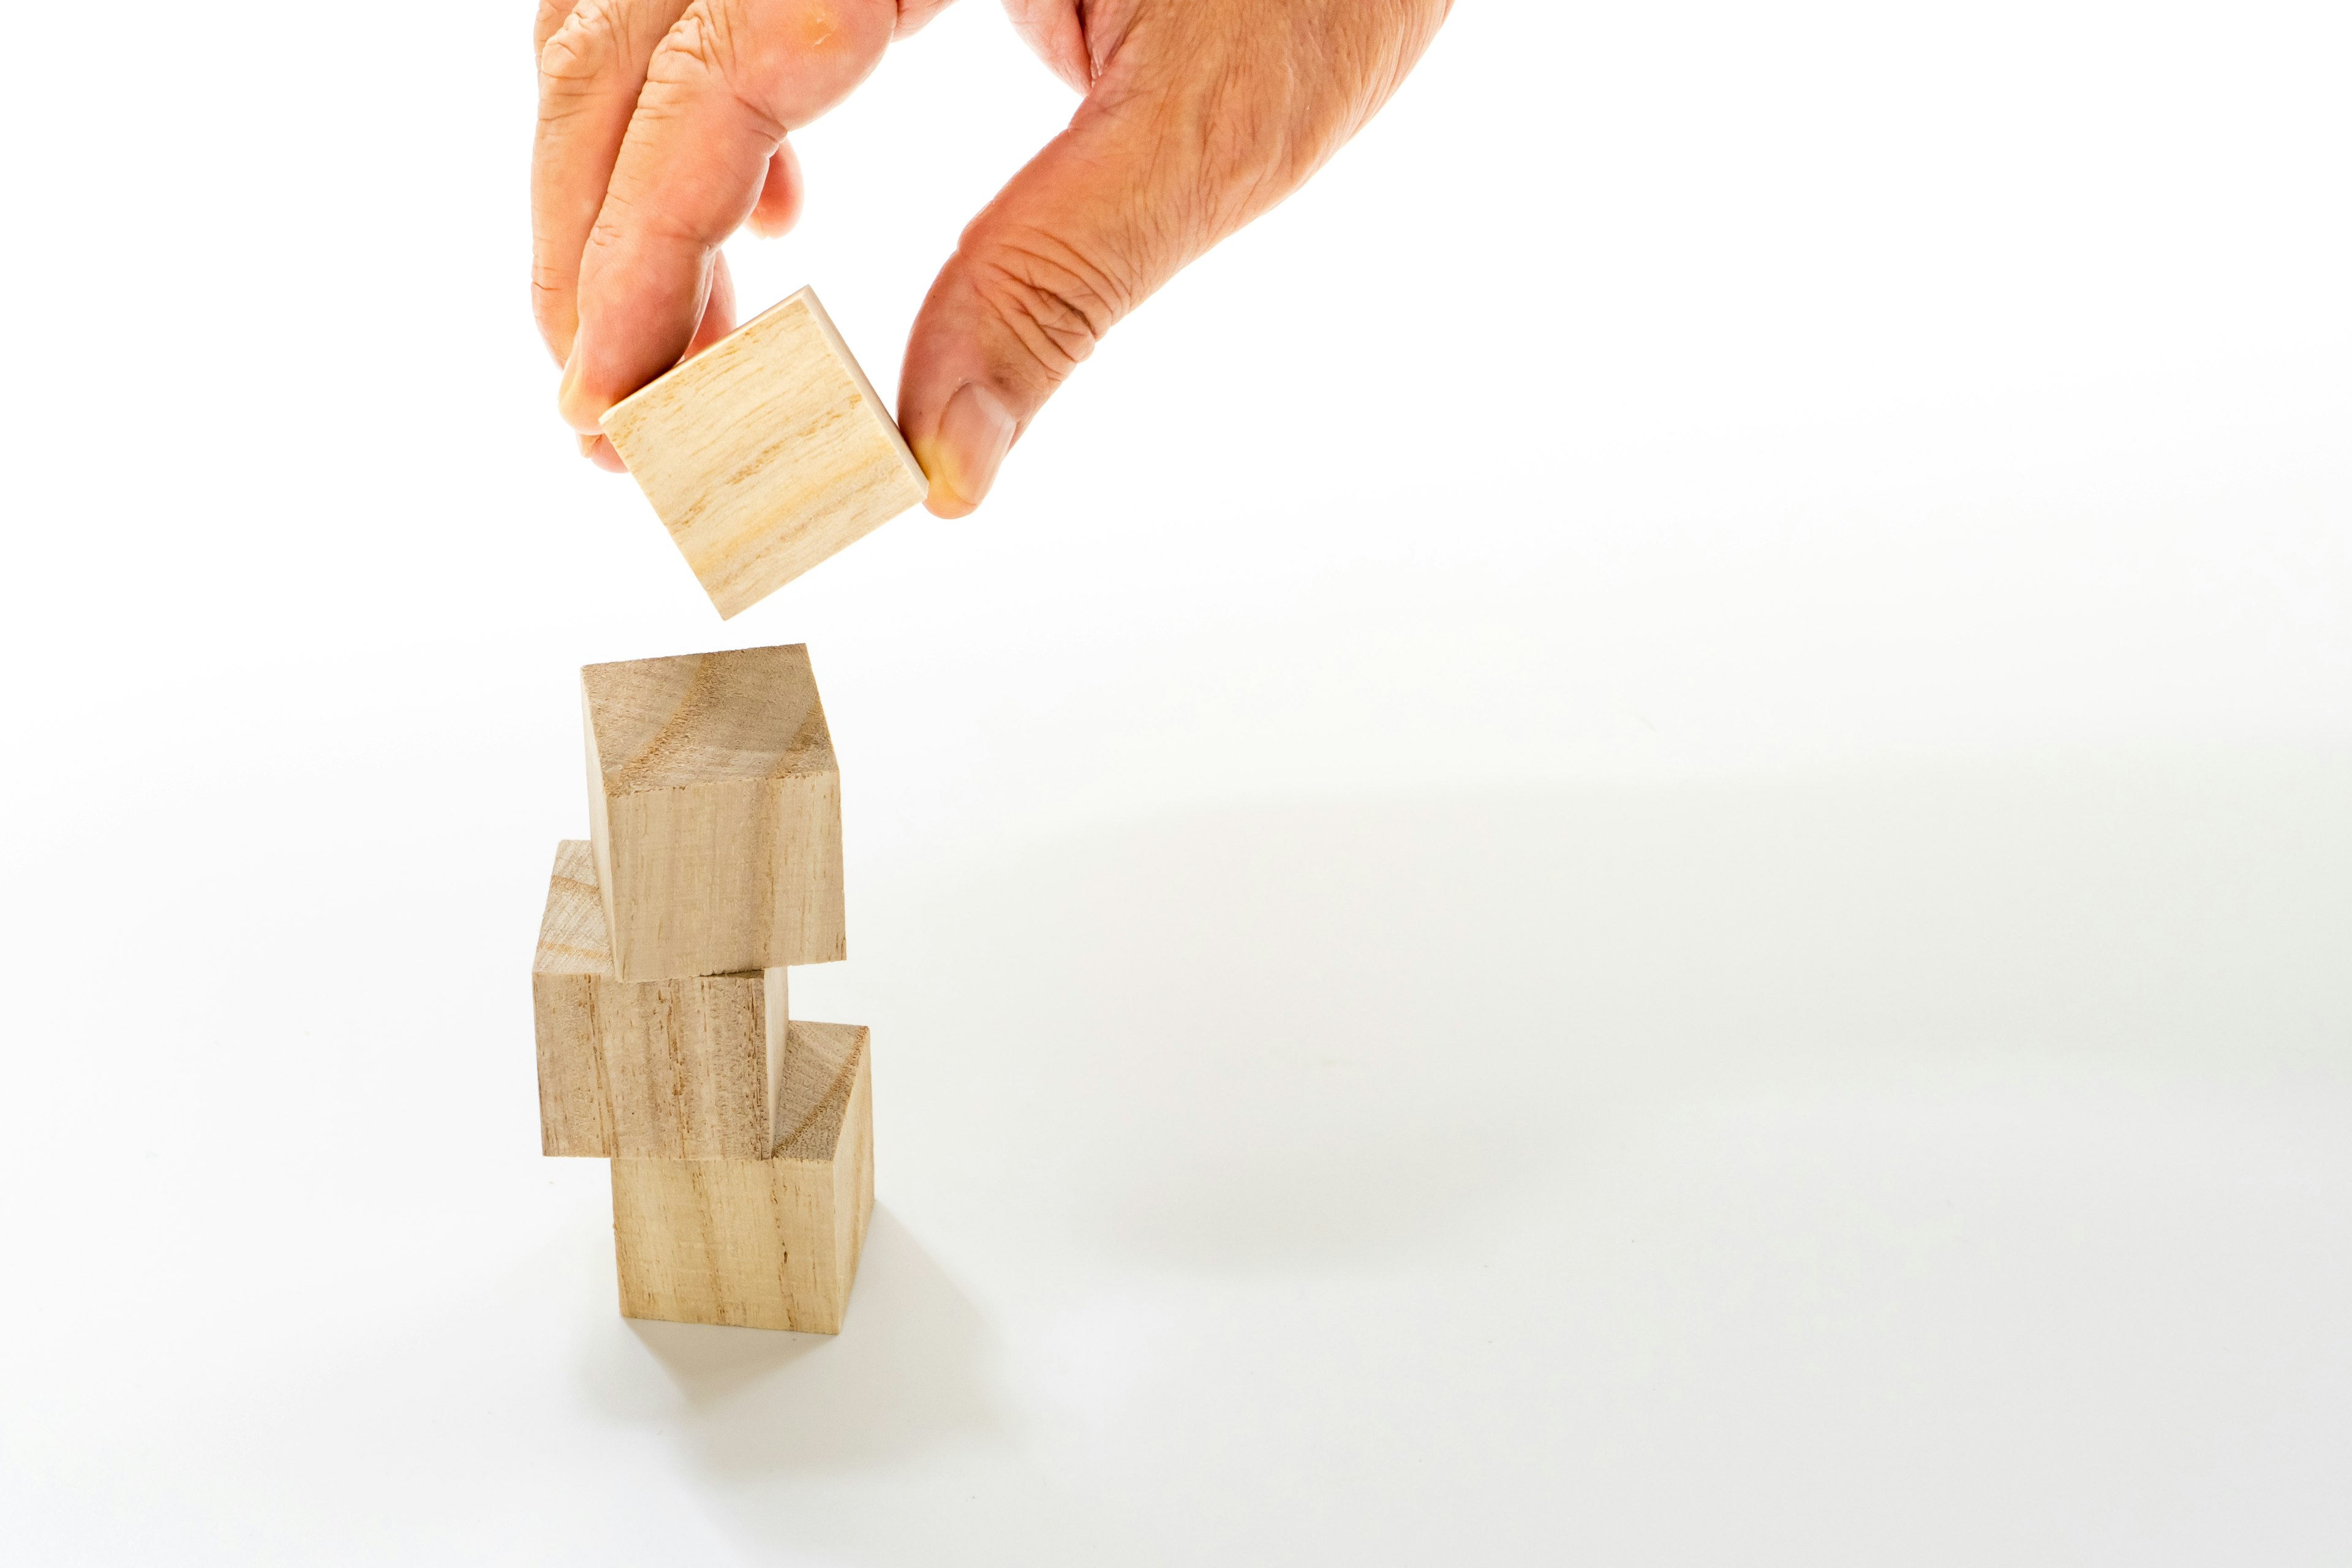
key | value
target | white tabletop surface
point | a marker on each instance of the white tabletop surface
(1628, 844)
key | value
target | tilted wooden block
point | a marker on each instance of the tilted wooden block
(681, 1069)
(766, 453)
(760, 1243)
(715, 808)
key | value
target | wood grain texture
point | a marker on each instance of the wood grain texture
(683, 1069)
(714, 804)
(760, 1244)
(766, 453)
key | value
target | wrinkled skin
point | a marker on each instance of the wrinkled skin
(664, 127)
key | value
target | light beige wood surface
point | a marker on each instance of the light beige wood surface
(682, 1069)
(760, 1244)
(766, 453)
(714, 803)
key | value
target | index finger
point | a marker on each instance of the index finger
(727, 83)
(592, 65)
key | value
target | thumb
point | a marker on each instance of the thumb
(1108, 211)
(1203, 114)
(1036, 280)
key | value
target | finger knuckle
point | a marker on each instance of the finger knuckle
(703, 42)
(813, 52)
(1053, 299)
(549, 16)
(703, 54)
(585, 49)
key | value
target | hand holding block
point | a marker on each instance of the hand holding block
(760, 1243)
(715, 806)
(766, 453)
(679, 1070)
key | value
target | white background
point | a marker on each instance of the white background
(1627, 843)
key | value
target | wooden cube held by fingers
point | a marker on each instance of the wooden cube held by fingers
(681, 1069)
(714, 805)
(766, 453)
(760, 1243)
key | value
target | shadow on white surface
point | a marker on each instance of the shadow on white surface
(908, 1371)
(1290, 1039)
(1937, 1165)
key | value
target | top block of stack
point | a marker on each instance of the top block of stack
(715, 808)
(766, 453)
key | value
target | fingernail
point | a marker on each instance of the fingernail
(600, 451)
(962, 456)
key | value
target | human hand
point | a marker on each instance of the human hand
(663, 125)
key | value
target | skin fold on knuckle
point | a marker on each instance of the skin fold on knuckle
(582, 57)
(548, 18)
(621, 252)
(597, 59)
(700, 57)
(784, 62)
(1054, 302)
(697, 48)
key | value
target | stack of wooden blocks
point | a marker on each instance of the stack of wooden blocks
(741, 1139)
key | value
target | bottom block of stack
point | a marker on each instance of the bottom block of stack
(760, 1244)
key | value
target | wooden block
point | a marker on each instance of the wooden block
(760, 1243)
(681, 1069)
(766, 453)
(715, 808)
